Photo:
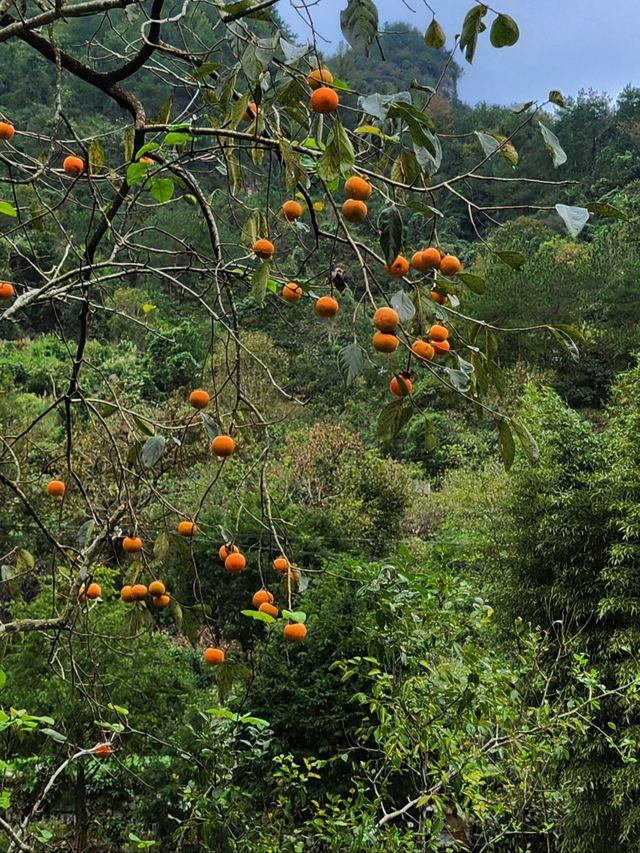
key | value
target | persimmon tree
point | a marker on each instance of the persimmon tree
(302, 189)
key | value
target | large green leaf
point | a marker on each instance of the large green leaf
(515, 260)
(259, 281)
(507, 444)
(420, 126)
(162, 190)
(472, 26)
(402, 304)
(96, 157)
(435, 36)
(350, 362)
(7, 209)
(393, 417)
(391, 233)
(602, 208)
(359, 24)
(504, 31)
(152, 450)
(338, 157)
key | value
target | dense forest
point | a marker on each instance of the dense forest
(269, 583)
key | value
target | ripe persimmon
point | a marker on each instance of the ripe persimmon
(157, 588)
(319, 77)
(271, 609)
(139, 592)
(438, 333)
(213, 656)
(327, 306)
(126, 593)
(7, 290)
(132, 544)
(161, 601)
(291, 292)
(73, 166)
(225, 550)
(423, 350)
(223, 446)
(324, 100)
(438, 297)
(94, 590)
(103, 750)
(402, 385)
(56, 488)
(291, 210)
(6, 130)
(264, 249)
(281, 564)
(441, 347)
(429, 259)
(187, 528)
(398, 268)
(235, 563)
(146, 161)
(386, 319)
(251, 112)
(358, 188)
(450, 265)
(354, 211)
(199, 398)
(262, 596)
(295, 632)
(385, 342)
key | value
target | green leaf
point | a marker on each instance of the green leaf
(54, 735)
(350, 362)
(471, 28)
(430, 436)
(402, 304)
(338, 157)
(3, 678)
(601, 208)
(474, 282)
(162, 189)
(575, 218)
(392, 418)
(496, 142)
(522, 107)
(137, 172)
(24, 561)
(165, 111)
(557, 98)
(245, 9)
(259, 281)
(504, 31)
(7, 209)
(295, 616)
(295, 172)
(435, 36)
(144, 425)
(527, 441)
(567, 343)
(359, 24)
(176, 138)
(391, 233)
(152, 450)
(211, 427)
(96, 157)
(420, 126)
(425, 208)
(259, 616)
(555, 150)
(515, 260)
(507, 444)
(127, 144)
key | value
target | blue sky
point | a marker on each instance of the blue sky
(564, 44)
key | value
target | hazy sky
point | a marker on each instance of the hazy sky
(564, 44)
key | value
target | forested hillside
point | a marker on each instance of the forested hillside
(318, 440)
